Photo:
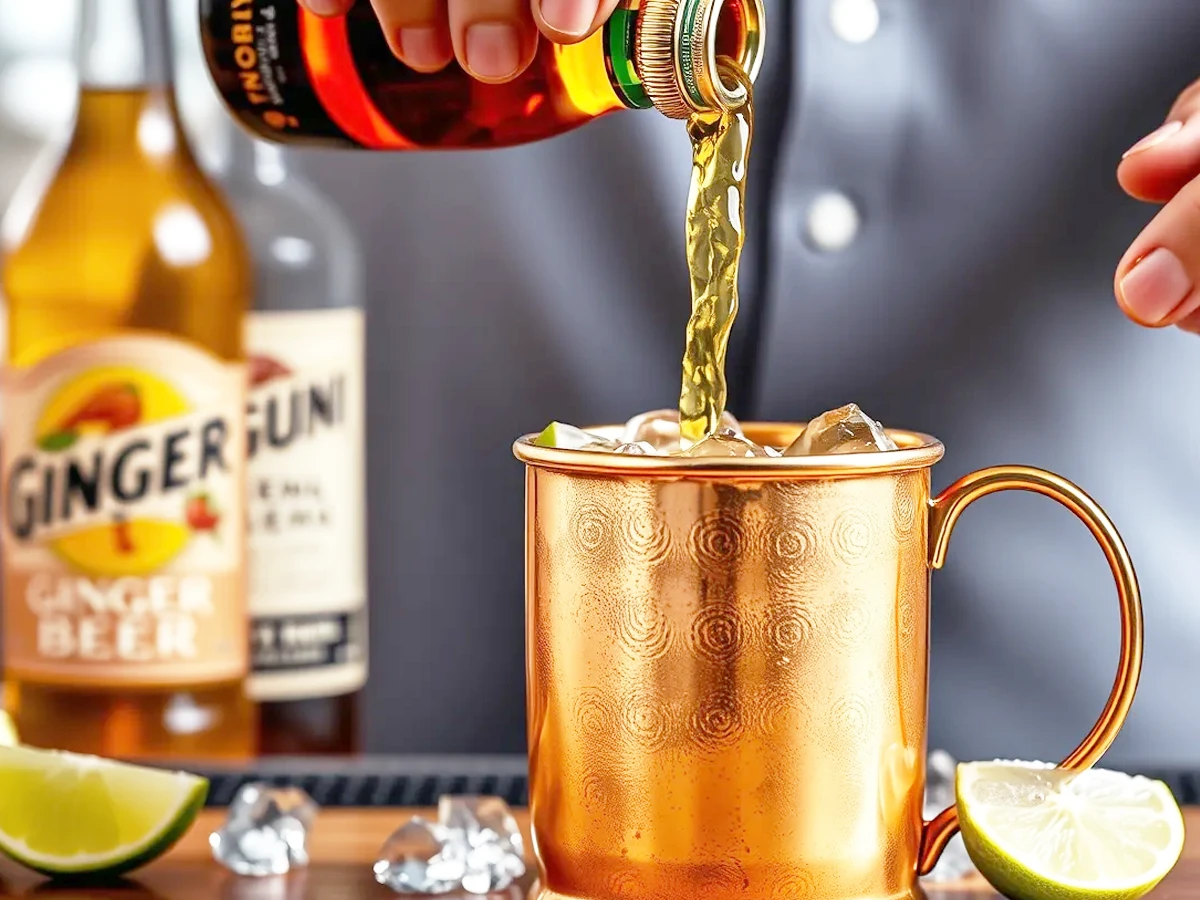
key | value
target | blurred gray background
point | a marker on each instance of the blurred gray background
(939, 244)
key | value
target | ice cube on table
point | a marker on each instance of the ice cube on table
(726, 443)
(846, 429)
(495, 850)
(568, 437)
(265, 830)
(660, 429)
(954, 863)
(475, 846)
(418, 859)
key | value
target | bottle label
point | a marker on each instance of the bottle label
(307, 531)
(259, 54)
(124, 478)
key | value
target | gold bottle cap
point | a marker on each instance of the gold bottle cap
(678, 43)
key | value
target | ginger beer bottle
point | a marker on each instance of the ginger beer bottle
(125, 280)
(293, 77)
(307, 554)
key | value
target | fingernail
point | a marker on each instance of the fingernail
(493, 50)
(1155, 286)
(324, 7)
(1154, 138)
(422, 48)
(572, 17)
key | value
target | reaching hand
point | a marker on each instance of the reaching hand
(1157, 280)
(493, 40)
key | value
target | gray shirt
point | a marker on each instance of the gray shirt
(966, 293)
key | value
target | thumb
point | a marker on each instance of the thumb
(1158, 166)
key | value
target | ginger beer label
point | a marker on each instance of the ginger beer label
(307, 532)
(124, 482)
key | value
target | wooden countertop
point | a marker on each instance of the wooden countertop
(343, 846)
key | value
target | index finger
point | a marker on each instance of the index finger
(570, 21)
(1158, 166)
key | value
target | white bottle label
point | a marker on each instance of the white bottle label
(306, 508)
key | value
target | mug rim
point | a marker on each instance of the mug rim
(916, 451)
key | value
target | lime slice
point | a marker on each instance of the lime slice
(8, 731)
(1037, 832)
(65, 814)
(566, 437)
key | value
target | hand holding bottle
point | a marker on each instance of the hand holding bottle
(493, 40)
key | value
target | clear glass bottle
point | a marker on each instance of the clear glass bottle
(125, 281)
(307, 539)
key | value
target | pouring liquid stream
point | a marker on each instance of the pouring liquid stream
(716, 232)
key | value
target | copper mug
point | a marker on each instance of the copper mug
(727, 666)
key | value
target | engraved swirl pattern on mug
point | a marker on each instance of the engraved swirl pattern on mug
(776, 708)
(852, 536)
(784, 628)
(598, 786)
(906, 506)
(626, 883)
(645, 538)
(717, 720)
(595, 714)
(914, 657)
(795, 884)
(718, 633)
(717, 539)
(848, 619)
(643, 630)
(603, 768)
(725, 877)
(648, 720)
(591, 527)
(850, 719)
(791, 542)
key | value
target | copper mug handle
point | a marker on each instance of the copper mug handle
(943, 514)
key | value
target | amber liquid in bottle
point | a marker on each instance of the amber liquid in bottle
(129, 237)
(292, 77)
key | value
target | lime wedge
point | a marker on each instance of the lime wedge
(65, 814)
(1036, 832)
(8, 731)
(566, 437)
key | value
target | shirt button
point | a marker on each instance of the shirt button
(833, 222)
(854, 21)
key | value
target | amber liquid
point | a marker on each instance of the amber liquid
(87, 265)
(716, 231)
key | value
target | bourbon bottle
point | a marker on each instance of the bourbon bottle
(293, 77)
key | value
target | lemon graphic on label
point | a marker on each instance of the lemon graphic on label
(100, 402)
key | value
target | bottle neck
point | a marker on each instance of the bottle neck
(124, 45)
(676, 50)
(249, 160)
(126, 79)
